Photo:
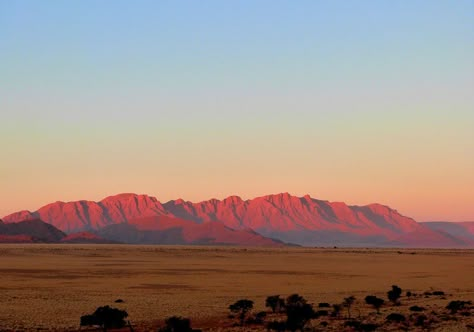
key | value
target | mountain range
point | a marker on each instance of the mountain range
(268, 220)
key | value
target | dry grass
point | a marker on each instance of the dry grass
(51, 286)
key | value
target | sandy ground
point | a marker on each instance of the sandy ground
(50, 286)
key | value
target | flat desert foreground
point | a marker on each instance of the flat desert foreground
(49, 287)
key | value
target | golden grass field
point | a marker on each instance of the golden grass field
(48, 287)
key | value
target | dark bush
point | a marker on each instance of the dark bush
(394, 294)
(298, 312)
(105, 317)
(177, 324)
(355, 324)
(368, 327)
(241, 307)
(359, 326)
(416, 308)
(320, 313)
(119, 301)
(421, 320)
(276, 303)
(276, 326)
(347, 303)
(324, 305)
(395, 317)
(336, 310)
(258, 318)
(439, 293)
(454, 306)
(374, 301)
(409, 294)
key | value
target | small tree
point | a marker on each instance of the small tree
(275, 302)
(241, 307)
(394, 294)
(336, 310)
(347, 303)
(374, 301)
(298, 312)
(105, 317)
(177, 324)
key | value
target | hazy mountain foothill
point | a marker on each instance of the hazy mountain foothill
(272, 220)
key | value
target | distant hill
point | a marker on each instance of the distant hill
(300, 220)
(460, 230)
(37, 231)
(33, 230)
(167, 230)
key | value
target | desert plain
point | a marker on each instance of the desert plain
(49, 287)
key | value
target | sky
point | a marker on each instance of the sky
(354, 101)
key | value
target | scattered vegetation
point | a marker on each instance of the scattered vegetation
(374, 301)
(455, 306)
(177, 324)
(106, 317)
(394, 294)
(396, 317)
(347, 303)
(298, 312)
(241, 307)
(356, 325)
(295, 313)
(276, 303)
(416, 308)
(336, 310)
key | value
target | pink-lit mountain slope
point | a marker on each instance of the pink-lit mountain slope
(87, 215)
(300, 220)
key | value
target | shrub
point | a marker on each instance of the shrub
(320, 313)
(395, 317)
(105, 317)
(276, 303)
(241, 307)
(177, 324)
(359, 326)
(324, 305)
(336, 310)
(276, 326)
(347, 303)
(258, 318)
(454, 306)
(394, 294)
(374, 301)
(416, 308)
(298, 312)
(439, 293)
(421, 320)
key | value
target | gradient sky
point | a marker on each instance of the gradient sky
(355, 101)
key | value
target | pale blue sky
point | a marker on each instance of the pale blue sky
(360, 101)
